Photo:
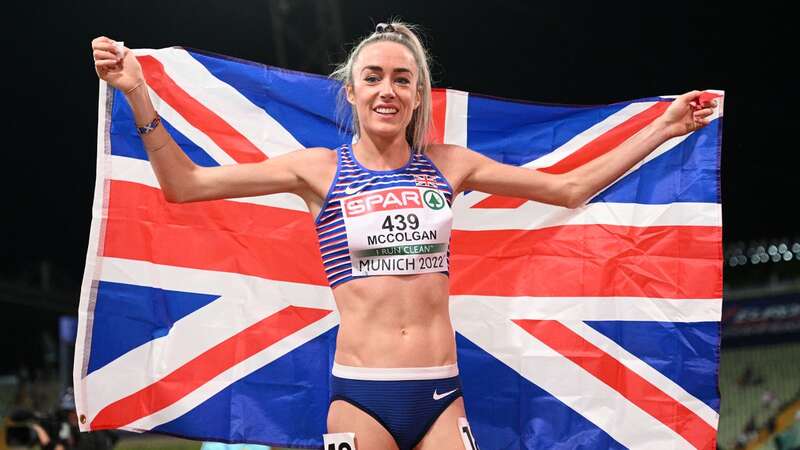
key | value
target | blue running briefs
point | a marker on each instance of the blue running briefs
(398, 399)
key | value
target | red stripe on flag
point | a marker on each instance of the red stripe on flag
(628, 383)
(439, 103)
(599, 146)
(589, 260)
(215, 127)
(206, 366)
(222, 235)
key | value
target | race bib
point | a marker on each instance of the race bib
(339, 441)
(397, 231)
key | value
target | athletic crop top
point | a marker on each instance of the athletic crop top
(385, 222)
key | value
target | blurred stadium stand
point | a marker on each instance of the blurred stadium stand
(760, 360)
(757, 384)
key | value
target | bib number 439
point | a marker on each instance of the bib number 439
(400, 222)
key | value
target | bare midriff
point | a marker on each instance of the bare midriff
(395, 321)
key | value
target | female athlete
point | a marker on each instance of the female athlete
(382, 210)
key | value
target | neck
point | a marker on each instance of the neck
(380, 153)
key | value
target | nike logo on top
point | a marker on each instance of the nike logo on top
(441, 396)
(350, 190)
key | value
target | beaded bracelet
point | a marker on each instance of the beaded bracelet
(149, 127)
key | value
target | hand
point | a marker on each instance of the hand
(689, 112)
(120, 71)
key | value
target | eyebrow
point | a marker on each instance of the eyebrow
(380, 69)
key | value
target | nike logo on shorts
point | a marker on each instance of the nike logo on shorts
(350, 190)
(437, 396)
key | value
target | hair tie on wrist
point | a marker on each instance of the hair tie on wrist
(384, 28)
(157, 148)
(131, 89)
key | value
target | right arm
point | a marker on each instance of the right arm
(182, 180)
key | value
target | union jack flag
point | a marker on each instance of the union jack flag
(595, 327)
(425, 180)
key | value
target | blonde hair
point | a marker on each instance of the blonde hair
(402, 33)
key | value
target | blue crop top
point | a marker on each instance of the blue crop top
(385, 222)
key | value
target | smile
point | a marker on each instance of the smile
(385, 111)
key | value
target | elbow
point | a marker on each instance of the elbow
(574, 194)
(172, 198)
(183, 192)
(172, 194)
(574, 203)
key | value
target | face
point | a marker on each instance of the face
(384, 90)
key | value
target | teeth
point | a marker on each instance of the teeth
(386, 110)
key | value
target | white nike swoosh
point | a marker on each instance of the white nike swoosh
(441, 396)
(349, 191)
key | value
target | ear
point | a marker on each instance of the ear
(418, 99)
(351, 98)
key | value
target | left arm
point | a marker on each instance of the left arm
(684, 115)
(592, 177)
(574, 188)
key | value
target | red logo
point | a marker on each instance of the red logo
(398, 198)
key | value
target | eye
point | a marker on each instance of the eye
(403, 80)
(371, 78)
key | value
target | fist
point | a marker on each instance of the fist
(115, 65)
(689, 112)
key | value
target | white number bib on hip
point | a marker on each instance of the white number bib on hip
(397, 231)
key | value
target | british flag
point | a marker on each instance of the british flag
(595, 327)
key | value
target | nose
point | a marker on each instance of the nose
(387, 89)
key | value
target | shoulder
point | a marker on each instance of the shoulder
(315, 166)
(308, 164)
(317, 154)
(450, 153)
(323, 154)
(445, 155)
(454, 158)
(454, 161)
(315, 162)
(306, 158)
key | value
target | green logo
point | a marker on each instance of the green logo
(433, 199)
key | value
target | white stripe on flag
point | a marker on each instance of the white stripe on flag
(251, 298)
(455, 122)
(644, 370)
(534, 215)
(140, 171)
(625, 422)
(253, 122)
(595, 308)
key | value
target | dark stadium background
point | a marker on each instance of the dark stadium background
(555, 52)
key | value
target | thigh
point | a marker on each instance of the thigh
(444, 433)
(343, 417)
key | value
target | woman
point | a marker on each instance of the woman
(383, 216)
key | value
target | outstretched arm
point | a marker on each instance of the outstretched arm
(684, 115)
(574, 188)
(180, 179)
